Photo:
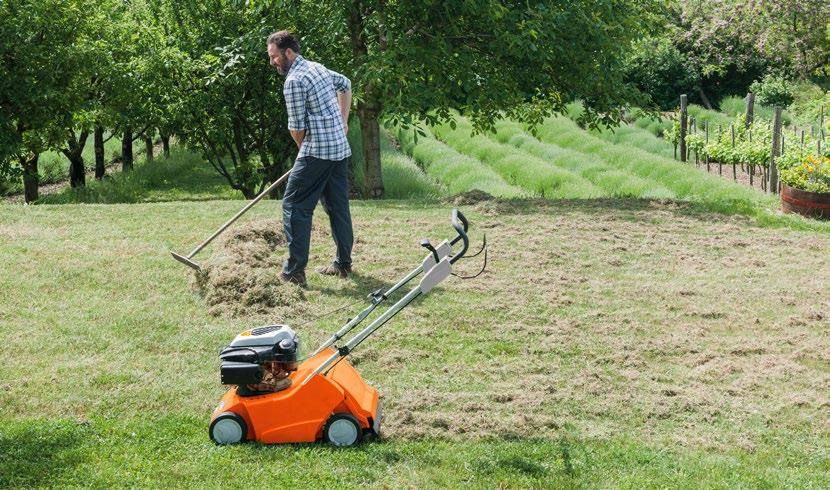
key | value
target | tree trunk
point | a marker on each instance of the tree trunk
(148, 148)
(370, 128)
(165, 143)
(703, 98)
(369, 108)
(127, 150)
(77, 172)
(100, 163)
(30, 178)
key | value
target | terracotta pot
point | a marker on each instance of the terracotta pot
(812, 204)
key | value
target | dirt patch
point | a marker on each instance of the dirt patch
(242, 275)
(474, 196)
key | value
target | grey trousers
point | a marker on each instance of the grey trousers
(314, 179)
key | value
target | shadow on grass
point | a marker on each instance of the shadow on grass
(749, 213)
(35, 453)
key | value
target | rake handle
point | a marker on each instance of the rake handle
(240, 213)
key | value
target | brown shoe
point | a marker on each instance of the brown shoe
(335, 269)
(297, 278)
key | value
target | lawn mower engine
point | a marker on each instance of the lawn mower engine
(260, 359)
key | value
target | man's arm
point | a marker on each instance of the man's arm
(295, 106)
(344, 100)
(298, 136)
(343, 86)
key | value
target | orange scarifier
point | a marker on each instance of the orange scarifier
(275, 397)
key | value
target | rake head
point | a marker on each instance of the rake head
(184, 260)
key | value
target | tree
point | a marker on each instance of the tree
(232, 110)
(417, 60)
(40, 58)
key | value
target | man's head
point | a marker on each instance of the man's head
(283, 48)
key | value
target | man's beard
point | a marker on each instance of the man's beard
(284, 68)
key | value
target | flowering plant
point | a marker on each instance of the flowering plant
(812, 174)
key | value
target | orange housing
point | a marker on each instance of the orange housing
(298, 413)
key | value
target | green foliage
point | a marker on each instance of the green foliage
(809, 101)
(656, 125)
(232, 110)
(811, 174)
(610, 180)
(517, 167)
(684, 181)
(773, 90)
(402, 177)
(41, 75)
(456, 171)
(657, 68)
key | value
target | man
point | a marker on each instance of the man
(318, 102)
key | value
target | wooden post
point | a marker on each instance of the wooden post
(777, 145)
(683, 122)
(706, 143)
(802, 141)
(821, 118)
(750, 109)
(734, 165)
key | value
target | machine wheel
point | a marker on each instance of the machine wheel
(342, 429)
(228, 428)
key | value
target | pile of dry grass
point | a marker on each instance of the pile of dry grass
(242, 275)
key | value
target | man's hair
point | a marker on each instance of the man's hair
(284, 40)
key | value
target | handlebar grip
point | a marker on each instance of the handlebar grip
(461, 228)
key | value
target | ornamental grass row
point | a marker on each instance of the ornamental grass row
(518, 167)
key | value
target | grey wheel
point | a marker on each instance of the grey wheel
(228, 428)
(342, 429)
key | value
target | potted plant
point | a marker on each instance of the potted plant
(806, 185)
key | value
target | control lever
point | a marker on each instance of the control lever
(425, 243)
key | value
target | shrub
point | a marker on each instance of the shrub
(773, 90)
(657, 68)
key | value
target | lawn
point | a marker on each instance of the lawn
(623, 343)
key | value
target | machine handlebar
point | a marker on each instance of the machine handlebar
(460, 223)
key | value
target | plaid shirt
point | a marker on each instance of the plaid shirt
(312, 106)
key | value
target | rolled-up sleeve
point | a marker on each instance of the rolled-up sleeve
(340, 82)
(295, 96)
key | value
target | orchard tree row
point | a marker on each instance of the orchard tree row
(198, 70)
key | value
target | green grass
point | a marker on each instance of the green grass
(579, 360)
(184, 176)
(612, 181)
(518, 167)
(454, 170)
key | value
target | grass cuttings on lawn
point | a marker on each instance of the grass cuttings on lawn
(242, 275)
(625, 343)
